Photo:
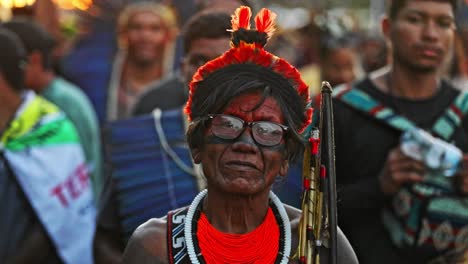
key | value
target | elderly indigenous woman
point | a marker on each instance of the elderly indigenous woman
(246, 108)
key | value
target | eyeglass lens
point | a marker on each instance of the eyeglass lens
(263, 132)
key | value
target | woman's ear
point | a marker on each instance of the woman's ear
(196, 155)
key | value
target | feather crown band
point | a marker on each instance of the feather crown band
(247, 47)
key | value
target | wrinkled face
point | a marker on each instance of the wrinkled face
(340, 66)
(146, 36)
(201, 51)
(241, 166)
(422, 35)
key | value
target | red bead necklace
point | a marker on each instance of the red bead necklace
(259, 246)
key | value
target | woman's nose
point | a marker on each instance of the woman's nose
(245, 142)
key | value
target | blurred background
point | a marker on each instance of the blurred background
(86, 33)
(301, 22)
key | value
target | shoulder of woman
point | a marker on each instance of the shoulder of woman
(148, 243)
(152, 228)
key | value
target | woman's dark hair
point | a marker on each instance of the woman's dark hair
(215, 92)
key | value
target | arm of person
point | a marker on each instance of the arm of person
(148, 244)
(87, 125)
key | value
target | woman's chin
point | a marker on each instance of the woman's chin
(243, 186)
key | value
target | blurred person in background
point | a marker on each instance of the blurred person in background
(41, 78)
(328, 49)
(392, 207)
(310, 37)
(339, 63)
(146, 32)
(339, 60)
(373, 51)
(205, 37)
(187, 9)
(46, 200)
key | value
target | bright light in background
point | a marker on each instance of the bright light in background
(64, 4)
(72, 4)
(82, 4)
(16, 3)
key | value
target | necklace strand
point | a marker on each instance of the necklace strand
(188, 228)
(258, 246)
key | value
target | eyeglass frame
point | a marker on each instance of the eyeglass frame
(245, 124)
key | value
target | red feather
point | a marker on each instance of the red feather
(309, 113)
(265, 21)
(241, 18)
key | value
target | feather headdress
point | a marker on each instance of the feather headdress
(247, 51)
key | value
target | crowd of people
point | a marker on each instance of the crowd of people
(205, 118)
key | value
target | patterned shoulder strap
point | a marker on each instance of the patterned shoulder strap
(176, 247)
(447, 123)
(443, 127)
(360, 100)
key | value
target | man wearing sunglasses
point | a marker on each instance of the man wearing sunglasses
(247, 108)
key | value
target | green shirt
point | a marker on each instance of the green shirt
(78, 108)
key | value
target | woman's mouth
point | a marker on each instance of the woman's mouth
(241, 165)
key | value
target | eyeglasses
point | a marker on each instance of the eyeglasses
(264, 133)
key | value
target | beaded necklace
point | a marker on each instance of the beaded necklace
(193, 215)
(261, 245)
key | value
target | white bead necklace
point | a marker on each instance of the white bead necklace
(196, 202)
